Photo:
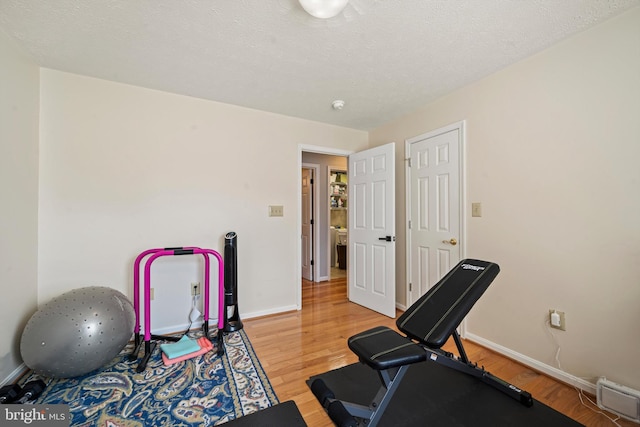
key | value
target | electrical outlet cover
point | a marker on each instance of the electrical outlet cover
(560, 318)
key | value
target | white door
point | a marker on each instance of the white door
(433, 199)
(371, 255)
(307, 224)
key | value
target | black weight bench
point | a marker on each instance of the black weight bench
(428, 324)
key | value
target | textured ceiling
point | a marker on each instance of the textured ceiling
(384, 58)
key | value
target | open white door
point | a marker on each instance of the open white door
(371, 256)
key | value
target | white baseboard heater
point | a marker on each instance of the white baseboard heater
(619, 399)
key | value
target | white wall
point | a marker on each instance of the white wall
(553, 144)
(124, 169)
(19, 85)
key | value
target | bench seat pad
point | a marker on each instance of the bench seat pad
(383, 348)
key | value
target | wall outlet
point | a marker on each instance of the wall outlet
(195, 288)
(556, 320)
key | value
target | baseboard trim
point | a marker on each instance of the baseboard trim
(213, 322)
(276, 310)
(13, 376)
(534, 364)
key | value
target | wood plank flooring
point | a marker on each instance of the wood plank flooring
(294, 346)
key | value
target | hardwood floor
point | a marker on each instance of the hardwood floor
(296, 345)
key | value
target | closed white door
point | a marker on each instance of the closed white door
(371, 254)
(433, 192)
(307, 224)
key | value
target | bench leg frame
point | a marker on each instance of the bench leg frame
(464, 365)
(370, 415)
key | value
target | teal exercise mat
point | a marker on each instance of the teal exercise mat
(433, 395)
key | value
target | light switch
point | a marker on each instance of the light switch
(276, 210)
(476, 209)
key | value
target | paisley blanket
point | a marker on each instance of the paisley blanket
(204, 391)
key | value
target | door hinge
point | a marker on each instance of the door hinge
(311, 181)
(311, 262)
(410, 286)
(409, 224)
(409, 161)
(311, 222)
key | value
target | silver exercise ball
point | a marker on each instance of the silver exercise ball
(77, 332)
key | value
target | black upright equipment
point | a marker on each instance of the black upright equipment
(9, 393)
(427, 324)
(15, 394)
(232, 320)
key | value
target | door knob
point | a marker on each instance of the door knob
(388, 238)
(452, 241)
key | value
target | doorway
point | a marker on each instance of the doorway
(371, 224)
(338, 200)
(321, 225)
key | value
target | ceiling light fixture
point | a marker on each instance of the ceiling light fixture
(323, 9)
(338, 104)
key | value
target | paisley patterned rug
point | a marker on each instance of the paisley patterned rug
(204, 391)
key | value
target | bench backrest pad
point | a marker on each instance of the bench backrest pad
(434, 317)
